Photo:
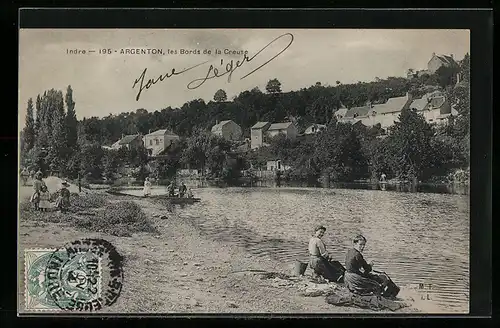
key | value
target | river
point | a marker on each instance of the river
(416, 237)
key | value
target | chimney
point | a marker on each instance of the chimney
(123, 135)
(451, 55)
(433, 54)
(409, 96)
(216, 122)
(149, 131)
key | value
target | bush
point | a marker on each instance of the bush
(121, 219)
(86, 201)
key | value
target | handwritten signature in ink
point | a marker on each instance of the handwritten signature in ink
(212, 72)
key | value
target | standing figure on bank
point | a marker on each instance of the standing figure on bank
(358, 277)
(37, 186)
(44, 204)
(182, 190)
(62, 202)
(320, 261)
(147, 187)
(24, 176)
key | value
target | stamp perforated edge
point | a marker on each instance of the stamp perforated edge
(48, 250)
(26, 251)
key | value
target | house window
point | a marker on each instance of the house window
(157, 141)
(355, 115)
(150, 142)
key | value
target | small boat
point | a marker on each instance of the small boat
(179, 200)
(173, 200)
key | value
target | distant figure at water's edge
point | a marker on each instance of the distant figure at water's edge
(147, 187)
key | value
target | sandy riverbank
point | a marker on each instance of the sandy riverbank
(177, 270)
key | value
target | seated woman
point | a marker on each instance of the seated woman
(62, 202)
(358, 278)
(320, 260)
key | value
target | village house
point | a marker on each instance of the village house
(287, 128)
(436, 62)
(386, 113)
(228, 130)
(340, 113)
(128, 142)
(156, 142)
(433, 106)
(314, 128)
(257, 134)
(354, 114)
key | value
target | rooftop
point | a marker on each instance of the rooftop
(259, 125)
(280, 126)
(222, 123)
(160, 133)
(128, 139)
(342, 111)
(392, 105)
(447, 59)
(359, 111)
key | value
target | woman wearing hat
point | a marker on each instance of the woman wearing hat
(62, 202)
(320, 261)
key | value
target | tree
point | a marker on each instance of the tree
(220, 96)
(273, 86)
(206, 151)
(29, 130)
(338, 153)
(58, 150)
(91, 160)
(465, 68)
(446, 76)
(410, 148)
(71, 120)
(110, 165)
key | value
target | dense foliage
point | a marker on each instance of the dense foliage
(54, 141)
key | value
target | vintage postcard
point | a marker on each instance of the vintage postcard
(228, 171)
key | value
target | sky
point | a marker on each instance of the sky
(103, 83)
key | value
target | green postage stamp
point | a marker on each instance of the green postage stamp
(57, 280)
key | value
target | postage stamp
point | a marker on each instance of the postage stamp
(71, 277)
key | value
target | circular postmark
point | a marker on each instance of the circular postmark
(84, 275)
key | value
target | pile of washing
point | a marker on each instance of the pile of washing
(335, 293)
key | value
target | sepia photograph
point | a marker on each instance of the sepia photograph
(221, 171)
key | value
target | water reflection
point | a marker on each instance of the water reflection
(403, 187)
(416, 237)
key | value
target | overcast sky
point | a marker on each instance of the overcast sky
(102, 84)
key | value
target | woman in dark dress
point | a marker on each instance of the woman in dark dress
(358, 277)
(62, 202)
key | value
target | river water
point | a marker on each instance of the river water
(416, 237)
